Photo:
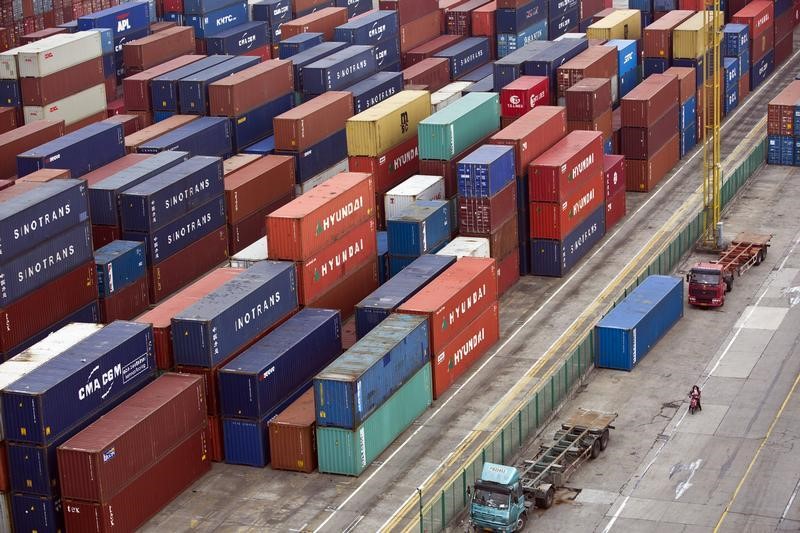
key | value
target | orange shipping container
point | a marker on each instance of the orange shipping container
(292, 436)
(455, 298)
(469, 345)
(314, 220)
(312, 121)
(323, 21)
(258, 185)
(347, 293)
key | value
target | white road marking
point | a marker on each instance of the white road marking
(790, 502)
(683, 486)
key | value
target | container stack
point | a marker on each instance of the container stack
(736, 44)
(420, 22)
(209, 18)
(273, 13)
(657, 41)
(423, 227)
(37, 420)
(689, 49)
(457, 339)
(620, 24)
(759, 17)
(487, 207)
(627, 66)
(518, 22)
(122, 280)
(484, 24)
(545, 60)
(650, 138)
(148, 449)
(271, 371)
(614, 176)
(687, 97)
(248, 39)
(783, 129)
(730, 85)
(782, 28)
(466, 56)
(589, 108)
(147, 52)
(382, 141)
(564, 17)
(594, 62)
(417, 187)
(372, 393)
(323, 21)
(522, 95)
(567, 209)
(223, 323)
(329, 233)
(380, 30)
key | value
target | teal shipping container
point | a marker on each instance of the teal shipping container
(458, 126)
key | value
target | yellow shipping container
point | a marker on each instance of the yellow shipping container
(687, 38)
(387, 124)
(621, 24)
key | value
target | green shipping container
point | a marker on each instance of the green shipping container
(458, 126)
(350, 452)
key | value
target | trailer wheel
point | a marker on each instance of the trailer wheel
(604, 439)
(595, 453)
(521, 521)
(546, 502)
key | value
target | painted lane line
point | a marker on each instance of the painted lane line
(789, 503)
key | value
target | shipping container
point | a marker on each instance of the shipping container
(555, 174)
(430, 74)
(486, 171)
(235, 314)
(216, 22)
(313, 54)
(210, 136)
(615, 209)
(59, 85)
(250, 88)
(387, 124)
(351, 388)
(429, 48)
(657, 37)
(544, 62)
(688, 37)
(556, 258)
(391, 167)
(193, 89)
(350, 452)
(415, 32)
(257, 124)
(419, 228)
(349, 291)
(157, 48)
(508, 43)
(761, 69)
(594, 62)
(735, 40)
(409, 11)
(532, 134)
(261, 183)
(550, 220)
(22, 139)
(124, 19)
(648, 102)
(72, 109)
(136, 88)
(323, 21)
(418, 187)
(375, 89)
(244, 39)
(643, 143)
(588, 99)
(251, 228)
(517, 19)
(118, 265)
(687, 86)
(523, 94)
(292, 436)
(36, 513)
(273, 12)
(298, 43)
(450, 131)
(643, 175)
(164, 89)
(134, 141)
(313, 121)
(372, 28)
(463, 246)
(314, 160)
(614, 172)
(631, 329)
(126, 303)
(57, 53)
(340, 69)
(621, 24)
(466, 55)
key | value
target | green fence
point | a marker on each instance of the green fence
(437, 510)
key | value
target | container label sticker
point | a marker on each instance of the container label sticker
(359, 401)
(135, 368)
(110, 278)
(109, 454)
(363, 447)
(633, 348)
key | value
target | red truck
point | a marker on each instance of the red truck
(709, 281)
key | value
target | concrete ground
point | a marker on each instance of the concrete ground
(733, 465)
(534, 315)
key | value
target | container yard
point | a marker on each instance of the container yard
(355, 265)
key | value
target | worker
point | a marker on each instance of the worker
(695, 393)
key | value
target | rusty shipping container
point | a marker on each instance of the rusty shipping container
(553, 176)
(257, 185)
(588, 99)
(309, 123)
(643, 175)
(642, 143)
(292, 436)
(147, 52)
(243, 91)
(433, 73)
(532, 134)
(136, 88)
(646, 103)
(23, 139)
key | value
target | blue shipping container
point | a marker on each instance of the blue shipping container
(744, 63)
(171, 194)
(173, 237)
(556, 8)
(688, 113)
(735, 39)
(731, 68)
(164, 89)
(564, 24)
(697, 64)
(486, 171)
(466, 55)
(37, 513)
(654, 65)
(318, 157)
(631, 329)
(782, 6)
(320, 4)
(516, 20)
(262, 147)
(486, 85)
(259, 379)
(479, 73)
(39, 214)
(774, 149)
(210, 136)
(369, 29)
(523, 225)
(375, 89)
(313, 54)
(511, 67)
(223, 322)
(688, 140)
(119, 263)
(387, 54)
(797, 151)
(48, 261)
(273, 12)
(354, 7)
(257, 123)
(201, 7)
(80, 152)
(556, 258)
(366, 375)
(99, 370)
(641, 5)
(216, 22)
(761, 70)
(383, 258)
(627, 55)
(340, 69)
(545, 62)
(419, 228)
(107, 39)
(104, 195)
(123, 19)
(376, 307)
(665, 5)
(10, 95)
(239, 40)
(731, 101)
(298, 43)
(628, 81)
(193, 90)
(510, 42)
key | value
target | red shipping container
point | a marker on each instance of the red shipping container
(102, 235)
(428, 49)
(447, 169)
(5, 484)
(784, 23)
(649, 100)
(247, 231)
(744, 88)
(687, 81)
(642, 176)
(523, 94)
(759, 16)
(482, 216)
(264, 52)
(603, 124)
(455, 298)
(130, 123)
(239, 93)
(39, 35)
(136, 88)
(467, 347)
(390, 168)
(503, 240)
(641, 143)
(350, 290)
(445, 6)
(8, 119)
(533, 134)
(145, 117)
(161, 316)
(605, 11)
(257, 185)
(550, 220)
(127, 303)
(114, 167)
(310, 122)
(156, 27)
(147, 52)
(292, 434)
(594, 62)
(409, 10)
(657, 37)
(173, 6)
(614, 171)
(507, 272)
(307, 6)
(323, 270)
(511, 4)
(216, 439)
(434, 73)
(102, 459)
(483, 22)
(75, 126)
(553, 176)
(615, 209)
(783, 49)
(187, 265)
(459, 19)
(152, 490)
(323, 21)
(590, 8)
(421, 30)
(588, 99)
(312, 221)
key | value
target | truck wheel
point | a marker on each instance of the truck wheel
(546, 501)
(521, 521)
(595, 449)
(604, 439)
(729, 285)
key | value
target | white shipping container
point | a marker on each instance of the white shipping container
(455, 87)
(9, 68)
(70, 109)
(320, 178)
(571, 36)
(441, 100)
(43, 351)
(417, 187)
(50, 57)
(251, 255)
(466, 247)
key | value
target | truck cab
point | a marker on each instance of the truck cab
(497, 502)
(708, 283)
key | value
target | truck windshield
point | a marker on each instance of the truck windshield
(705, 278)
(495, 500)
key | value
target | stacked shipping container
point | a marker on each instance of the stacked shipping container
(783, 127)
(122, 280)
